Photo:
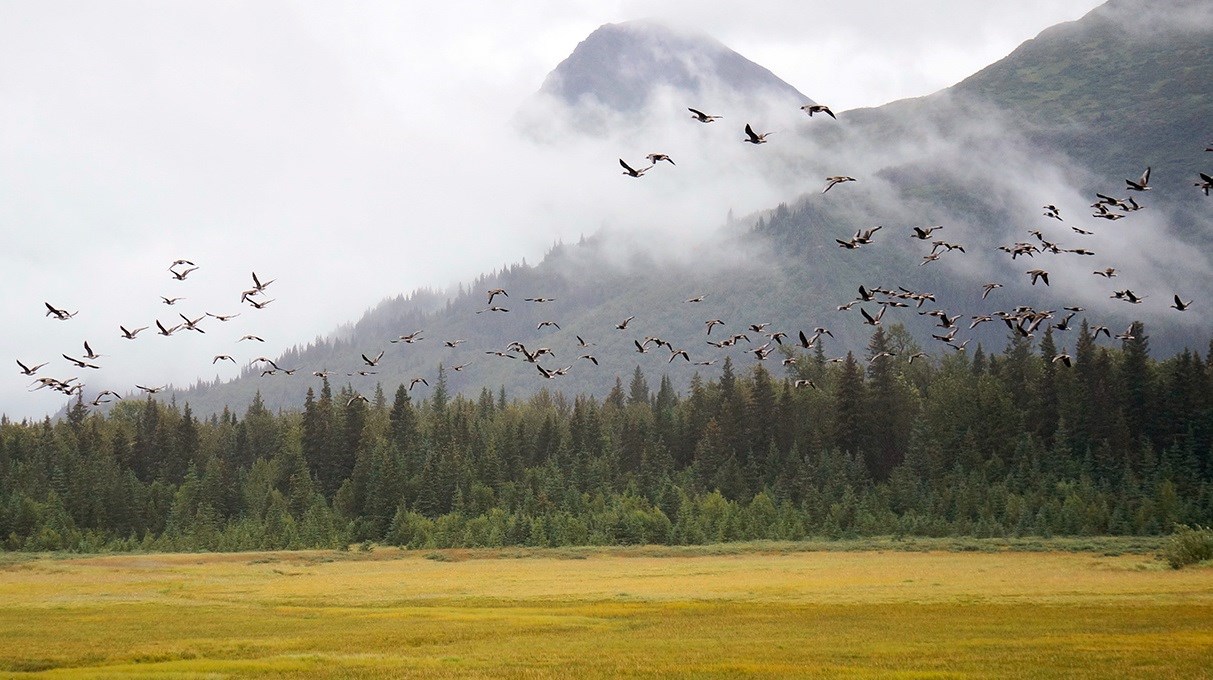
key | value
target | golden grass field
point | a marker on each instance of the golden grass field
(764, 610)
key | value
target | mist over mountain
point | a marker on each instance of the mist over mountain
(1077, 110)
(621, 70)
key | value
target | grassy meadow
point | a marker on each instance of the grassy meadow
(872, 610)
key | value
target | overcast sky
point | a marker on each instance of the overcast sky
(353, 151)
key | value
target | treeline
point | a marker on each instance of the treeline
(985, 445)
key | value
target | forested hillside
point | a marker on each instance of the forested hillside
(1007, 443)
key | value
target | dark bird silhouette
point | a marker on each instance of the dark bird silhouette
(258, 285)
(79, 363)
(191, 324)
(171, 301)
(495, 292)
(633, 172)
(818, 108)
(701, 116)
(837, 179)
(372, 362)
(414, 381)
(258, 305)
(357, 397)
(872, 320)
(223, 317)
(1142, 184)
(89, 353)
(623, 325)
(60, 314)
(655, 158)
(166, 331)
(222, 357)
(250, 337)
(988, 288)
(924, 233)
(1180, 304)
(130, 334)
(754, 137)
(1038, 275)
(1205, 183)
(27, 370)
(180, 275)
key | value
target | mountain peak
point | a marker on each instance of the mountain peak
(621, 66)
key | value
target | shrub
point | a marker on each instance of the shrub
(1188, 545)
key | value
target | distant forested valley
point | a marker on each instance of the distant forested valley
(887, 443)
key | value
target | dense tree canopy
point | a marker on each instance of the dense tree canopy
(988, 445)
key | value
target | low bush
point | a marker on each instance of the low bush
(1188, 545)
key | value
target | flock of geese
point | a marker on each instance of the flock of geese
(1023, 320)
(179, 270)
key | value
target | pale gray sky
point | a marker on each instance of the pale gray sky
(354, 151)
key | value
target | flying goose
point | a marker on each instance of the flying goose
(460, 367)
(223, 317)
(493, 308)
(1205, 183)
(701, 116)
(655, 158)
(988, 288)
(495, 292)
(453, 343)
(60, 314)
(152, 390)
(1180, 304)
(1052, 211)
(250, 337)
(171, 301)
(26, 370)
(191, 324)
(547, 323)
(258, 305)
(633, 172)
(89, 353)
(753, 137)
(872, 320)
(924, 233)
(101, 397)
(1038, 275)
(130, 335)
(372, 362)
(1142, 184)
(591, 358)
(697, 298)
(539, 299)
(180, 275)
(166, 331)
(259, 286)
(414, 381)
(357, 397)
(409, 339)
(79, 363)
(837, 179)
(223, 357)
(623, 325)
(818, 108)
